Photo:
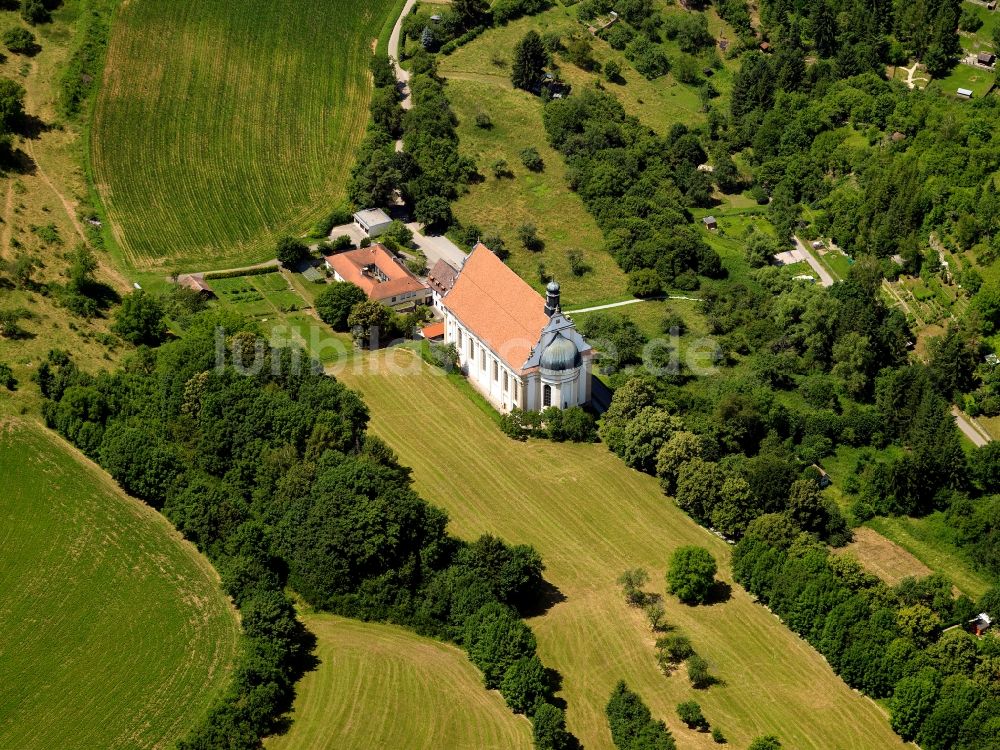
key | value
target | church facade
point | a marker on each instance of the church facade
(516, 349)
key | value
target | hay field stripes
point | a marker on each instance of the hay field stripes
(380, 686)
(116, 632)
(220, 126)
(590, 518)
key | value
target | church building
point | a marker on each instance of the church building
(517, 349)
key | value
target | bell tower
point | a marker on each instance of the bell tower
(552, 298)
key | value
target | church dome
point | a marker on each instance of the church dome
(553, 287)
(560, 355)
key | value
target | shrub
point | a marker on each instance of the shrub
(632, 582)
(697, 669)
(577, 265)
(139, 320)
(483, 121)
(613, 71)
(690, 713)
(7, 379)
(644, 282)
(528, 235)
(20, 41)
(718, 737)
(525, 685)
(340, 242)
(675, 648)
(549, 728)
(531, 159)
(35, 12)
(691, 574)
(501, 169)
(767, 742)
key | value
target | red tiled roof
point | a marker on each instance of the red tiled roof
(353, 266)
(498, 306)
(433, 331)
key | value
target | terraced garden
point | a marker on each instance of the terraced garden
(115, 632)
(220, 126)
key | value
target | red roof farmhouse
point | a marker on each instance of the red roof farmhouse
(380, 275)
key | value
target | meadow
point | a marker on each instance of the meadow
(380, 686)
(541, 198)
(116, 632)
(41, 195)
(590, 517)
(219, 126)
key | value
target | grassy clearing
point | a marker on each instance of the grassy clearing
(379, 686)
(541, 198)
(887, 560)
(981, 40)
(220, 126)
(929, 540)
(978, 80)
(590, 518)
(116, 633)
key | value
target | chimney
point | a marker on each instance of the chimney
(552, 298)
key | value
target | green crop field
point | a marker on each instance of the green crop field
(115, 631)
(221, 125)
(379, 686)
(590, 517)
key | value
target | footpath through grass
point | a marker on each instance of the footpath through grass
(220, 126)
(590, 517)
(116, 633)
(380, 686)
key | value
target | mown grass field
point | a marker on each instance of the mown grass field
(116, 633)
(220, 126)
(590, 518)
(541, 198)
(380, 686)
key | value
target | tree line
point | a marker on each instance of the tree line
(295, 494)
(890, 642)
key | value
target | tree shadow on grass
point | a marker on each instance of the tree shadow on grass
(546, 596)
(719, 593)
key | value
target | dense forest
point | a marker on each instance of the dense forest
(265, 464)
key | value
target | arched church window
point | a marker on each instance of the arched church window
(547, 395)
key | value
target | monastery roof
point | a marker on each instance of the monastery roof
(442, 276)
(361, 267)
(498, 306)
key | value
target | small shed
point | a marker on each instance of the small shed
(765, 46)
(964, 93)
(314, 275)
(433, 332)
(710, 223)
(992, 5)
(372, 221)
(818, 245)
(897, 136)
(981, 623)
(197, 283)
(824, 478)
(986, 58)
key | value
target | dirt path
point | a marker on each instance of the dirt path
(108, 269)
(631, 302)
(974, 432)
